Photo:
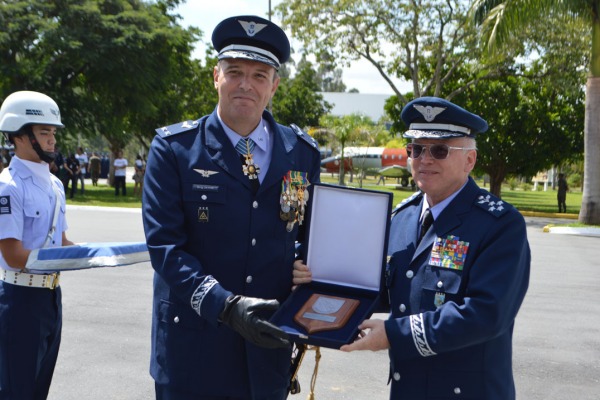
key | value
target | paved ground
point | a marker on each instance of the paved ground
(106, 333)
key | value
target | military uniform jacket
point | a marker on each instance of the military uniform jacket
(209, 236)
(454, 298)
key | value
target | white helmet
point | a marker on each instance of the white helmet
(26, 108)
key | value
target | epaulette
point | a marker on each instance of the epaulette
(305, 136)
(177, 128)
(407, 201)
(491, 203)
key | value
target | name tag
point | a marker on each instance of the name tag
(204, 188)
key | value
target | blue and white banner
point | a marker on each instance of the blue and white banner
(87, 255)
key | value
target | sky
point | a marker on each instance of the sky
(206, 15)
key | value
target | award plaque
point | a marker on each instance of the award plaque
(325, 313)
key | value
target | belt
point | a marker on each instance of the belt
(49, 281)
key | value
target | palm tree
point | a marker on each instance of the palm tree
(499, 18)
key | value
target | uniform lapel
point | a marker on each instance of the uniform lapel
(222, 152)
(281, 162)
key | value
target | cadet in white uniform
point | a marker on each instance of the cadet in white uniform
(32, 216)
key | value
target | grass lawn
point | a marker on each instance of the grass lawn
(536, 201)
(104, 195)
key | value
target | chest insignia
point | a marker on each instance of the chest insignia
(205, 173)
(449, 253)
(293, 198)
(203, 214)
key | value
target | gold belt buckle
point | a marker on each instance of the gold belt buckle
(56, 280)
(52, 280)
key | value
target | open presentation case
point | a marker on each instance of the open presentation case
(346, 252)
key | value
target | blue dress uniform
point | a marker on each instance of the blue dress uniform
(454, 295)
(30, 317)
(209, 236)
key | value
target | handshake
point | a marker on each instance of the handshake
(242, 314)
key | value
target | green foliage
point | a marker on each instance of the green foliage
(298, 101)
(106, 63)
(345, 130)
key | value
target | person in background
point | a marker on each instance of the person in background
(138, 175)
(32, 216)
(221, 225)
(561, 193)
(94, 168)
(73, 171)
(120, 165)
(83, 167)
(458, 268)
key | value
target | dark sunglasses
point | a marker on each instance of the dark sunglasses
(436, 151)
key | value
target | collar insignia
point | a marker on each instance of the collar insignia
(429, 113)
(186, 124)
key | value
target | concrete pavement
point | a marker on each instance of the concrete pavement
(107, 313)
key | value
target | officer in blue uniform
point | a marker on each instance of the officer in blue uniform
(221, 217)
(455, 294)
(32, 216)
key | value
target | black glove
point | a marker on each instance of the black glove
(241, 315)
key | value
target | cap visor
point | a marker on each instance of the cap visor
(248, 55)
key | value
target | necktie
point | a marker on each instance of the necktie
(426, 222)
(245, 147)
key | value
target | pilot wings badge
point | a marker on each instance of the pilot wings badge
(429, 113)
(251, 28)
(205, 173)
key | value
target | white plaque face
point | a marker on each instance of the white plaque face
(327, 305)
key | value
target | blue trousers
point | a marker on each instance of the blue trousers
(30, 331)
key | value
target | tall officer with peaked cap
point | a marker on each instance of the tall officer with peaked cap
(223, 251)
(32, 216)
(454, 295)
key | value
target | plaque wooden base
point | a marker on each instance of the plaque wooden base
(324, 313)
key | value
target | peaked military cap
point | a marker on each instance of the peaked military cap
(253, 38)
(435, 118)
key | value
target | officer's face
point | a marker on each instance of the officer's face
(245, 88)
(440, 178)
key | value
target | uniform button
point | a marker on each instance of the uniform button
(410, 274)
(457, 390)
(255, 204)
(440, 284)
(176, 320)
(204, 197)
(396, 376)
(402, 308)
(249, 279)
(253, 242)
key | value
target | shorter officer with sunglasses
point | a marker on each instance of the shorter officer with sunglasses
(455, 284)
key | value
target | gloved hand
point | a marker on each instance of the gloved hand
(240, 314)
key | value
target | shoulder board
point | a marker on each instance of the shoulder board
(414, 198)
(304, 136)
(177, 128)
(491, 203)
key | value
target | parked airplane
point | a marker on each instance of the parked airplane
(388, 162)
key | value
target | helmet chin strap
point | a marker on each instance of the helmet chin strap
(46, 156)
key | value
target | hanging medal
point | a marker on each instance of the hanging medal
(294, 196)
(250, 169)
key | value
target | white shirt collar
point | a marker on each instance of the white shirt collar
(439, 207)
(260, 135)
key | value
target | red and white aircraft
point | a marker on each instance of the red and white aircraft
(387, 162)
